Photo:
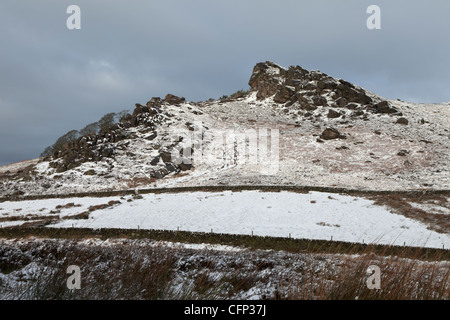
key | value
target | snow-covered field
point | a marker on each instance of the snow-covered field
(313, 215)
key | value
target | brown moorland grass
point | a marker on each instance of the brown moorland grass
(136, 270)
(401, 204)
(248, 241)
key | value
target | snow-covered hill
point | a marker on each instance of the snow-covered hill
(320, 131)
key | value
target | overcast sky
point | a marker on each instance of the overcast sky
(53, 79)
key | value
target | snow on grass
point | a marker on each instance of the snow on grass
(58, 207)
(314, 215)
(433, 208)
(14, 167)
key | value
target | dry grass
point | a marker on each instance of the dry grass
(25, 218)
(400, 279)
(43, 220)
(401, 204)
(132, 269)
(108, 273)
(138, 182)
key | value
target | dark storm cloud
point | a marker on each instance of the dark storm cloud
(53, 80)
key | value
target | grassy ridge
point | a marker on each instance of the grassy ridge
(253, 242)
(300, 189)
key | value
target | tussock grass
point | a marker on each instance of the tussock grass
(400, 279)
(108, 273)
(216, 188)
(143, 269)
(401, 204)
(248, 241)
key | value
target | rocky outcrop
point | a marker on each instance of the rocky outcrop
(171, 99)
(294, 88)
(96, 147)
(308, 90)
(384, 107)
(266, 79)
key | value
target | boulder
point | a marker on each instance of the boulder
(264, 79)
(53, 164)
(170, 167)
(90, 172)
(152, 136)
(158, 174)
(154, 102)
(384, 107)
(403, 121)
(185, 166)
(351, 106)
(139, 109)
(155, 161)
(320, 86)
(331, 133)
(319, 101)
(333, 114)
(283, 95)
(166, 156)
(172, 99)
(108, 152)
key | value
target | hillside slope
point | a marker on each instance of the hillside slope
(322, 131)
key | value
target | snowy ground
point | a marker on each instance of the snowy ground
(13, 167)
(367, 160)
(314, 215)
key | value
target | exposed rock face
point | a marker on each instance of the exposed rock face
(171, 99)
(96, 147)
(294, 87)
(266, 79)
(310, 89)
(384, 107)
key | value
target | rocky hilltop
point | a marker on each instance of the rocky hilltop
(331, 133)
(310, 90)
